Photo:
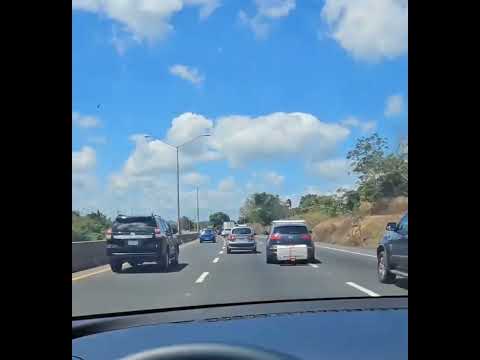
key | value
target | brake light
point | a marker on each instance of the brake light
(157, 232)
(252, 237)
(275, 237)
(108, 234)
(231, 237)
(306, 237)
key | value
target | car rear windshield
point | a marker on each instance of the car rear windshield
(140, 223)
(242, 231)
(291, 230)
(208, 231)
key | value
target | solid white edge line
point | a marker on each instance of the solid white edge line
(201, 277)
(215, 260)
(361, 288)
(346, 251)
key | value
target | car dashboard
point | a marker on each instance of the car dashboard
(301, 330)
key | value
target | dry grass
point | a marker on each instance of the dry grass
(365, 229)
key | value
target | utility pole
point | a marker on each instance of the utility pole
(198, 214)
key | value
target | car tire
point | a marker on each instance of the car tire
(270, 259)
(177, 253)
(165, 261)
(229, 251)
(116, 266)
(254, 250)
(383, 271)
(133, 263)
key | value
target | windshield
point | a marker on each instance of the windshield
(195, 122)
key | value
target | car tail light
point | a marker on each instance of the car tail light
(231, 237)
(275, 237)
(306, 237)
(108, 234)
(157, 232)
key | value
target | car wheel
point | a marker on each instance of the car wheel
(177, 252)
(254, 250)
(229, 251)
(384, 274)
(133, 263)
(116, 266)
(165, 261)
(270, 259)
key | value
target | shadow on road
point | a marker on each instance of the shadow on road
(299, 263)
(153, 268)
(402, 283)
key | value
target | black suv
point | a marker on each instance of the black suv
(392, 252)
(139, 239)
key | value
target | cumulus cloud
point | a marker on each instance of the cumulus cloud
(272, 178)
(334, 170)
(83, 160)
(394, 105)
(370, 30)
(364, 126)
(227, 184)
(194, 179)
(187, 73)
(278, 135)
(144, 19)
(267, 10)
(85, 121)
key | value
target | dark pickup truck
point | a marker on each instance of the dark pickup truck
(139, 239)
(392, 252)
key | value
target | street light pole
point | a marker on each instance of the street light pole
(177, 148)
(198, 214)
(178, 196)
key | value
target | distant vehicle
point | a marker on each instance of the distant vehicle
(392, 252)
(241, 238)
(227, 228)
(139, 239)
(207, 235)
(289, 240)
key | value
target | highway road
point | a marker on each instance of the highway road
(206, 274)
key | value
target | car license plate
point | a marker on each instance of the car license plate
(132, 242)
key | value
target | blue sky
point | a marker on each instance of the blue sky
(285, 87)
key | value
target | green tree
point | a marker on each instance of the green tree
(186, 223)
(379, 175)
(217, 219)
(263, 208)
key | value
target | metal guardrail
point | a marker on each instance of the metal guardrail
(89, 254)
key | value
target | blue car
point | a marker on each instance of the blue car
(207, 235)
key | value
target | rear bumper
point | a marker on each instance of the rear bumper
(310, 252)
(124, 254)
(241, 245)
(207, 239)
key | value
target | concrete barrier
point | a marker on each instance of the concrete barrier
(89, 254)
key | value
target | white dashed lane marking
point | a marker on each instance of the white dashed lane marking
(313, 265)
(361, 288)
(201, 277)
(221, 252)
(216, 260)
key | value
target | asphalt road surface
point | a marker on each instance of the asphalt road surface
(206, 274)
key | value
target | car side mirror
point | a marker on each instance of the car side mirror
(392, 226)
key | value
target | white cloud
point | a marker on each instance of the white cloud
(83, 160)
(194, 179)
(144, 19)
(278, 135)
(187, 73)
(394, 105)
(370, 30)
(275, 8)
(227, 184)
(272, 178)
(85, 121)
(364, 126)
(333, 170)
(267, 10)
